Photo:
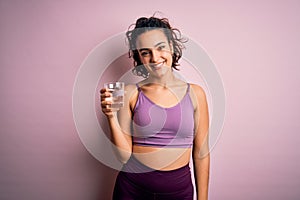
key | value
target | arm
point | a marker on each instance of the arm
(120, 123)
(201, 157)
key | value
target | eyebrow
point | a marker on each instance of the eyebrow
(154, 46)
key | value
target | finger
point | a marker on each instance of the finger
(103, 90)
(105, 103)
(106, 94)
(106, 110)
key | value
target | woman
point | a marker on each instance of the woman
(163, 122)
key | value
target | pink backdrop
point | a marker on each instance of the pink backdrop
(255, 45)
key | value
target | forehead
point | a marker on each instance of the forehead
(149, 39)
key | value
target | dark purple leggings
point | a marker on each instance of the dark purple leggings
(134, 184)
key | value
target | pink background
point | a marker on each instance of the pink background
(255, 45)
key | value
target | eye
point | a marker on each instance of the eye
(161, 47)
(144, 53)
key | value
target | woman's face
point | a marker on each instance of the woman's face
(155, 52)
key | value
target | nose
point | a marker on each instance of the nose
(155, 56)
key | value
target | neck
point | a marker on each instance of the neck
(165, 80)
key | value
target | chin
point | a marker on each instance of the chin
(160, 73)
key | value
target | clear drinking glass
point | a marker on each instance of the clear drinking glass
(117, 90)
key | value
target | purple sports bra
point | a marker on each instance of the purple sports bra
(157, 126)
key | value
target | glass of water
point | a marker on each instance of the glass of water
(117, 90)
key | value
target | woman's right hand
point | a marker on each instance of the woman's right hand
(106, 102)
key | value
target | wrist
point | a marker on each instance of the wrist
(112, 116)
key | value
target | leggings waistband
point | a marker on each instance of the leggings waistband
(133, 165)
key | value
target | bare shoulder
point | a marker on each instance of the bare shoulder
(130, 88)
(198, 90)
(197, 94)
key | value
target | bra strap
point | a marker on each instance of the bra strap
(138, 87)
(188, 88)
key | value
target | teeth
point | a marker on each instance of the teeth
(158, 65)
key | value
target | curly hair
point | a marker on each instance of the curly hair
(143, 25)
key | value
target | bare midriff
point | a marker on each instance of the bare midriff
(162, 158)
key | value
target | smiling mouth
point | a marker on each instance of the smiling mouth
(157, 66)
